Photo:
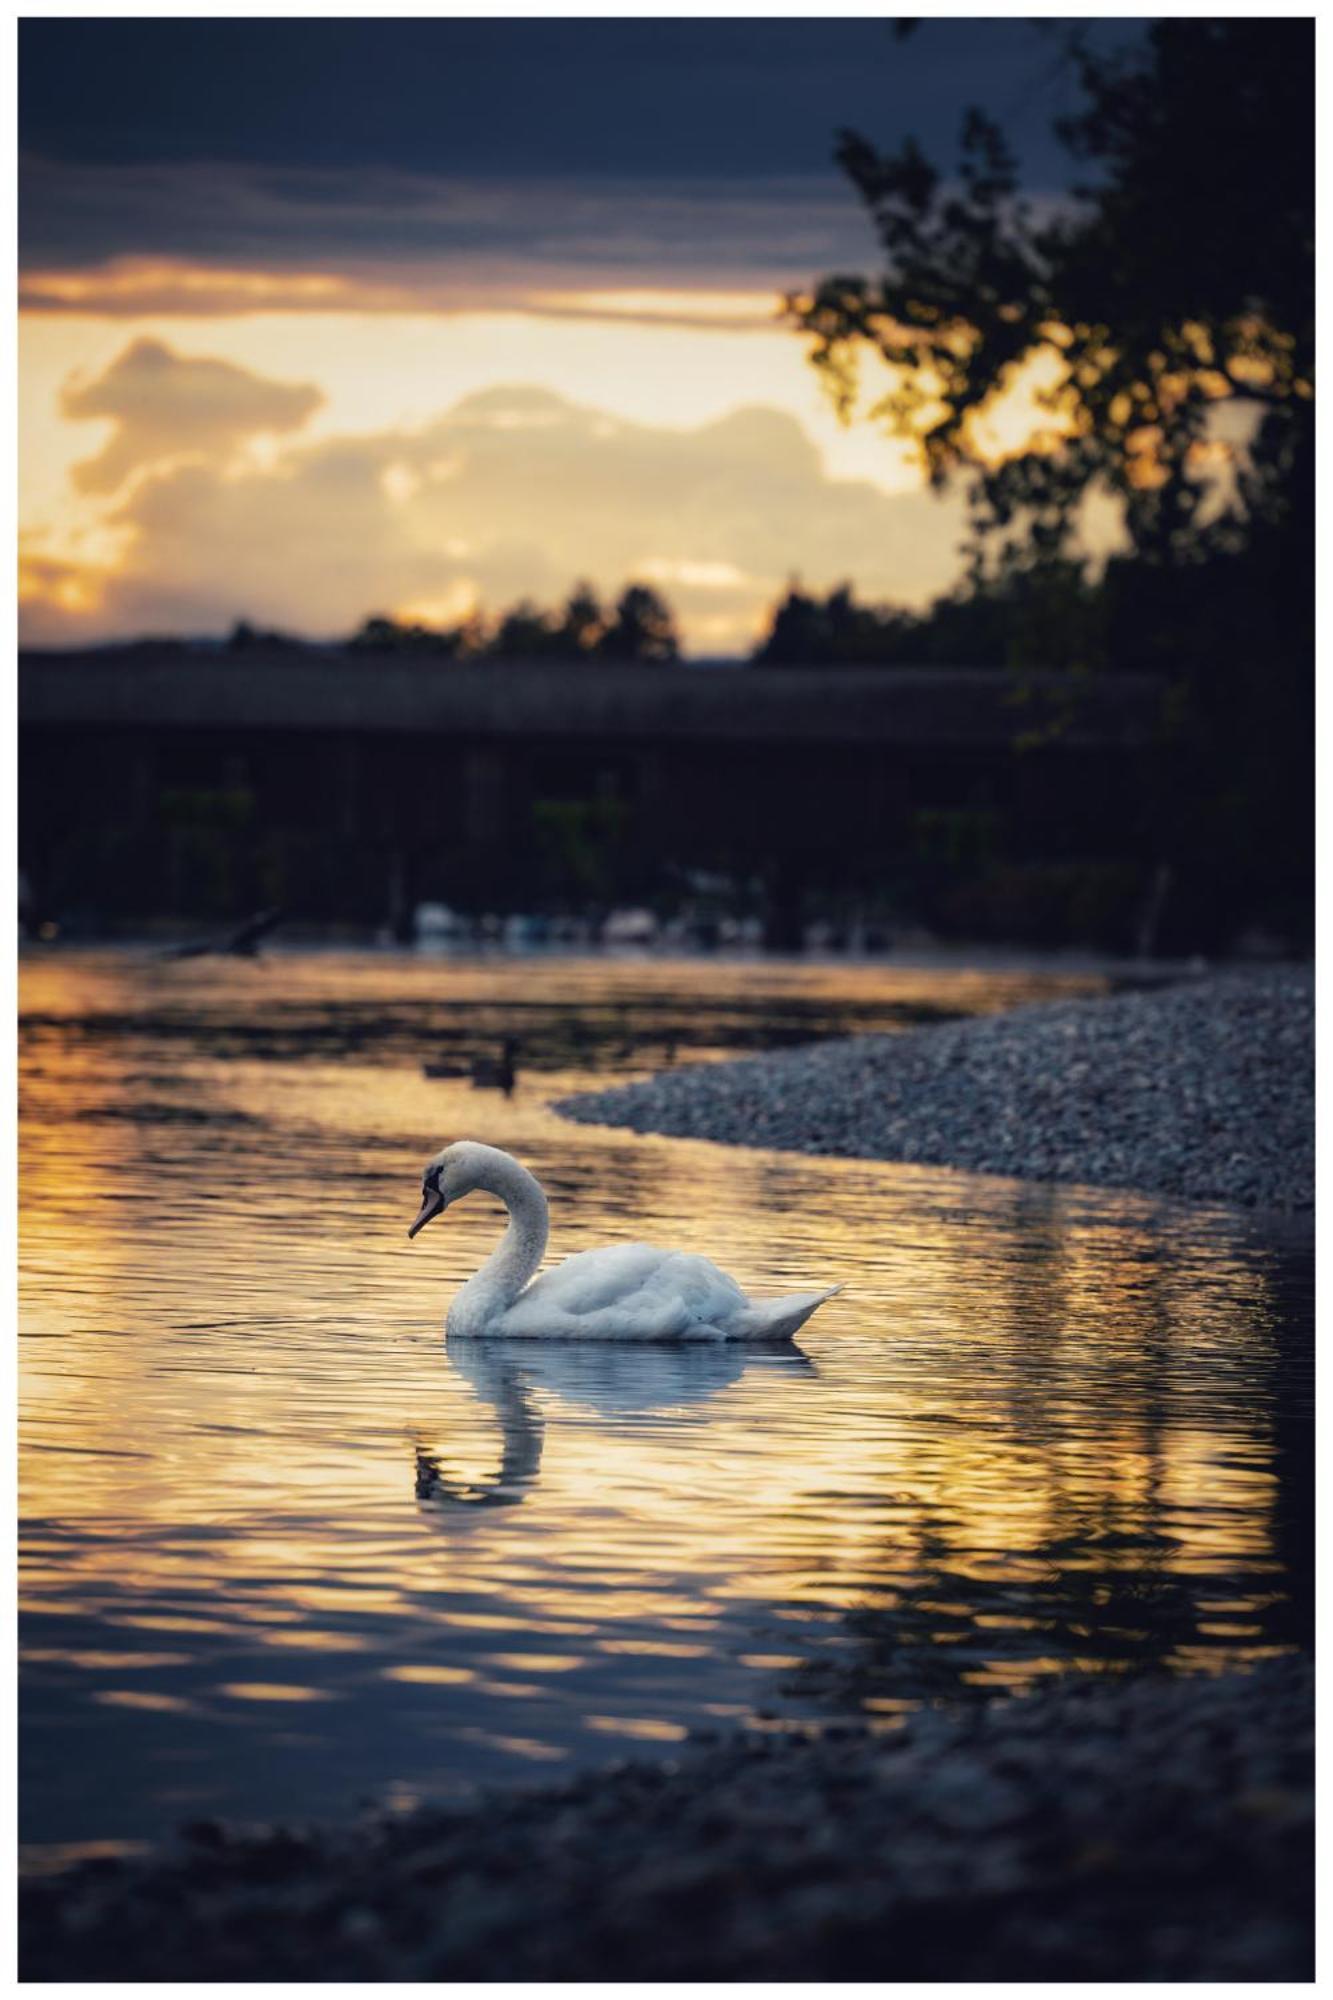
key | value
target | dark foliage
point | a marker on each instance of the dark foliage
(1181, 286)
(247, 638)
(640, 627)
(1171, 307)
(1050, 617)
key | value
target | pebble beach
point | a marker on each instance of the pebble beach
(1203, 1091)
(1153, 1830)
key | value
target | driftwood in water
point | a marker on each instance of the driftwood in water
(241, 943)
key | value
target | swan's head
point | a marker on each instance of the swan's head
(454, 1172)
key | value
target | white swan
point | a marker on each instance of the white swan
(627, 1292)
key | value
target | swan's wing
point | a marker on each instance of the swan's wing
(629, 1292)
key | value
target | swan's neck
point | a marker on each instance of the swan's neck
(514, 1260)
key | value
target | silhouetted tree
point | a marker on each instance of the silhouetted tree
(643, 628)
(1047, 616)
(583, 623)
(796, 632)
(806, 631)
(247, 638)
(525, 633)
(1172, 306)
(1179, 286)
(386, 635)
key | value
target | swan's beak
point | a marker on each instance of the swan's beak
(432, 1201)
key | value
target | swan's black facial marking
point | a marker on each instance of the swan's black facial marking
(432, 1199)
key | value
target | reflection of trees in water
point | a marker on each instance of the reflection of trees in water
(640, 1031)
(1290, 1276)
(1154, 1369)
(1106, 1602)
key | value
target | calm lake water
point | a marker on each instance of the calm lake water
(286, 1552)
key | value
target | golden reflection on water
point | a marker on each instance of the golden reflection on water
(1040, 1428)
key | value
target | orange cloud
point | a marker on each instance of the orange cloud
(237, 237)
(165, 404)
(136, 287)
(69, 589)
(515, 491)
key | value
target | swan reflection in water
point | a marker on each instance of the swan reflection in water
(626, 1385)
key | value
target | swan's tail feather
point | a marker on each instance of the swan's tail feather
(778, 1319)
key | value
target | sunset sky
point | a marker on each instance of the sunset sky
(325, 318)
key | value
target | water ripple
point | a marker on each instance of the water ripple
(284, 1551)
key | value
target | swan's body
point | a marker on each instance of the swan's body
(627, 1292)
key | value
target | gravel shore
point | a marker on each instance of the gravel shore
(1204, 1091)
(1151, 1830)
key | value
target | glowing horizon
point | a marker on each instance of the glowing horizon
(699, 454)
(609, 217)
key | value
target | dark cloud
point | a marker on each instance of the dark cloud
(394, 239)
(711, 99)
(163, 404)
(618, 144)
(514, 491)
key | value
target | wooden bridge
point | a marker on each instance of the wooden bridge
(175, 780)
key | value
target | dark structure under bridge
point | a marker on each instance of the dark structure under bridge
(175, 781)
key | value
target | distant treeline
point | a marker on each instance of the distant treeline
(1052, 618)
(1213, 620)
(1056, 615)
(640, 625)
